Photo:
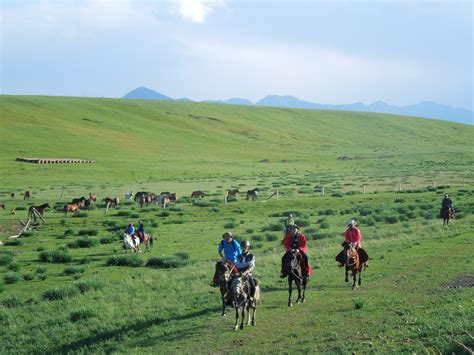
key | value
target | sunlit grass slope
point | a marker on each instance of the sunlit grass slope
(133, 139)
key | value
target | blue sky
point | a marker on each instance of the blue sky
(329, 52)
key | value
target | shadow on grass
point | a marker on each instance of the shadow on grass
(136, 327)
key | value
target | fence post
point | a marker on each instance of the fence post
(322, 191)
(225, 197)
(400, 187)
(364, 189)
(277, 194)
(434, 183)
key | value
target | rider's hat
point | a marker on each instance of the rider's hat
(245, 244)
(294, 226)
(351, 223)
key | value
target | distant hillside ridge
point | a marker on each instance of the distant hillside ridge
(427, 109)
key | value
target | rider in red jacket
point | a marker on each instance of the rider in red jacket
(295, 240)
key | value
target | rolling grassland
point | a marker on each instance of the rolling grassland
(67, 286)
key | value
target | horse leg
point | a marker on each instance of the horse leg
(243, 315)
(236, 318)
(354, 278)
(248, 312)
(305, 282)
(290, 289)
(347, 274)
(298, 285)
(360, 277)
(254, 315)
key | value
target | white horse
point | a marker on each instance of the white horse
(129, 195)
(130, 242)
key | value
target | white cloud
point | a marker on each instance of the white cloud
(198, 10)
(255, 69)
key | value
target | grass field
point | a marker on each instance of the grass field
(61, 288)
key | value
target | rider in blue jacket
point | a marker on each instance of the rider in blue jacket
(230, 247)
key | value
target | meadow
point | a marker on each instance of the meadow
(67, 285)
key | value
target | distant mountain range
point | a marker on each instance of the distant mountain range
(427, 109)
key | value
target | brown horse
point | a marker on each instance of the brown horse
(145, 239)
(173, 197)
(72, 207)
(80, 201)
(12, 195)
(197, 194)
(27, 195)
(92, 197)
(232, 193)
(352, 263)
(40, 210)
(447, 214)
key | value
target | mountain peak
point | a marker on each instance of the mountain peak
(144, 93)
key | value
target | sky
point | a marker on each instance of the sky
(330, 52)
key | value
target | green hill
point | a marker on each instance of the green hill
(139, 140)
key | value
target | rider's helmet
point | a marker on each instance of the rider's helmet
(290, 215)
(446, 195)
(351, 223)
(245, 244)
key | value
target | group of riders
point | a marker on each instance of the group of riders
(243, 262)
(139, 232)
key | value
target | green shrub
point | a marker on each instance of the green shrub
(167, 262)
(328, 212)
(14, 266)
(82, 314)
(5, 259)
(42, 277)
(164, 214)
(89, 285)
(257, 237)
(29, 276)
(324, 225)
(41, 270)
(11, 302)
(124, 213)
(271, 237)
(57, 256)
(183, 255)
(11, 277)
(69, 231)
(81, 215)
(132, 260)
(231, 225)
(273, 227)
(83, 243)
(29, 234)
(13, 242)
(72, 270)
(391, 219)
(59, 293)
(106, 240)
(324, 235)
(85, 260)
(89, 232)
(40, 248)
(302, 222)
(358, 303)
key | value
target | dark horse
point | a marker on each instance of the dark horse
(232, 193)
(222, 276)
(295, 267)
(40, 210)
(240, 293)
(27, 195)
(447, 214)
(253, 194)
(197, 194)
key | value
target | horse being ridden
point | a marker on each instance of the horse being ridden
(296, 274)
(447, 214)
(222, 276)
(352, 263)
(240, 289)
(131, 242)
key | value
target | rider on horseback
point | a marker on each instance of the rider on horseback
(228, 249)
(130, 231)
(446, 204)
(141, 231)
(294, 241)
(245, 264)
(353, 236)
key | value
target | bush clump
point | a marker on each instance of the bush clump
(13, 242)
(60, 255)
(11, 277)
(29, 276)
(90, 232)
(231, 225)
(10, 302)
(83, 243)
(73, 270)
(271, 237)
(167, 262)
(273, 227)
(89, 285)
(5, 259)
(14, 266)
(59, 293)
(132, 260)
